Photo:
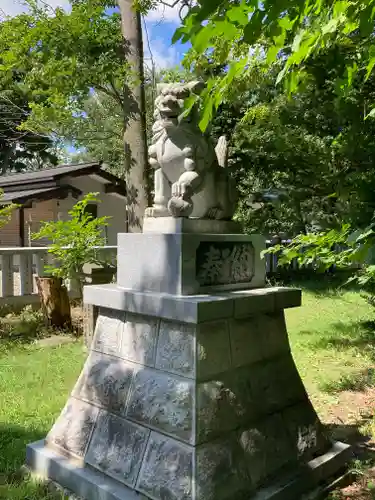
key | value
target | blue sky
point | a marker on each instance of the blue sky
(161, 24)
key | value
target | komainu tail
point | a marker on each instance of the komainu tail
(221, 151)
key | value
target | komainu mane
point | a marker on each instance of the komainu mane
(191, 179)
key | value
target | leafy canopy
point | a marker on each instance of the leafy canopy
(62, 57)
(240, 33)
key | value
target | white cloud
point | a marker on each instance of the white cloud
(162, 54)
(164, 14)
(14, 7)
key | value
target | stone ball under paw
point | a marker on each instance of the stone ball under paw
(179, 207)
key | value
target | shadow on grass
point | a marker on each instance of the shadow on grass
(15, 482)
(357, 435)
(13, 441)
(357, 334)
(360, 336)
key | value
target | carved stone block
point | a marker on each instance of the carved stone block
(176, 346)
(222, 405)
(221, 263)
(212, 349)
(73, 428)
(108, 331)
(167, 470)
(117, 447)
(273, 332)
(163, 402)
(246, 341)
(189, 264)
(105, 381)
(276, 384)
(139, 339)
(305, 431)
(221, 472)
(266, 448)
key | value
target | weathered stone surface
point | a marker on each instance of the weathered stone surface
(274, 334)
(73, 428)
(90, 316)
(92, 484)
(252, 302)
(108, 332)
(139, 339)
(167, 470)
(175, 350)
(191, 308)
(266, 447)
(105, 381)
(276, 384)
(184, 225)
(221, 472)
(222, 405)
(246, 341)
(305, 431)
(117, 447)
(163, 402)
(287, 297)
(212, 348)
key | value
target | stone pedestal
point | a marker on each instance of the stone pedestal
(187, 397)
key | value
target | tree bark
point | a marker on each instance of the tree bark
(55, 303)
(135, 138)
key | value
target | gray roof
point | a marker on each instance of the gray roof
(48, 174)
(49, 182)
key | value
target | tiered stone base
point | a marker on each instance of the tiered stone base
(188, 398)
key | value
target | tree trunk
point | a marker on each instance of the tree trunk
(55, 302)
(135, 138)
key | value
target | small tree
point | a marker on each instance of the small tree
(6, 211)
(73, 243)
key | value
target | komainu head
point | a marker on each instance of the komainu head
(169, 103)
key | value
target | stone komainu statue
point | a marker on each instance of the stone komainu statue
(191, 179)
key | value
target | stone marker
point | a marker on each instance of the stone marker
(190, 391)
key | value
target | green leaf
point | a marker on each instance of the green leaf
(239, 14)
(272, 53)
(352, 71)
(207, 114)
(286, 23)
(370, 67)
(201, 40)
(371, 114)
(330, 27)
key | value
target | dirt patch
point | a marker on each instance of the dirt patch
(362, 489)
(351, 420)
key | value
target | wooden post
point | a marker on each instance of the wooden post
(7, 282)
(55, 302)
(21, 221)
(26, 273)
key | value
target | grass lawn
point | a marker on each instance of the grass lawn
(333, 342)
(34, 384)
